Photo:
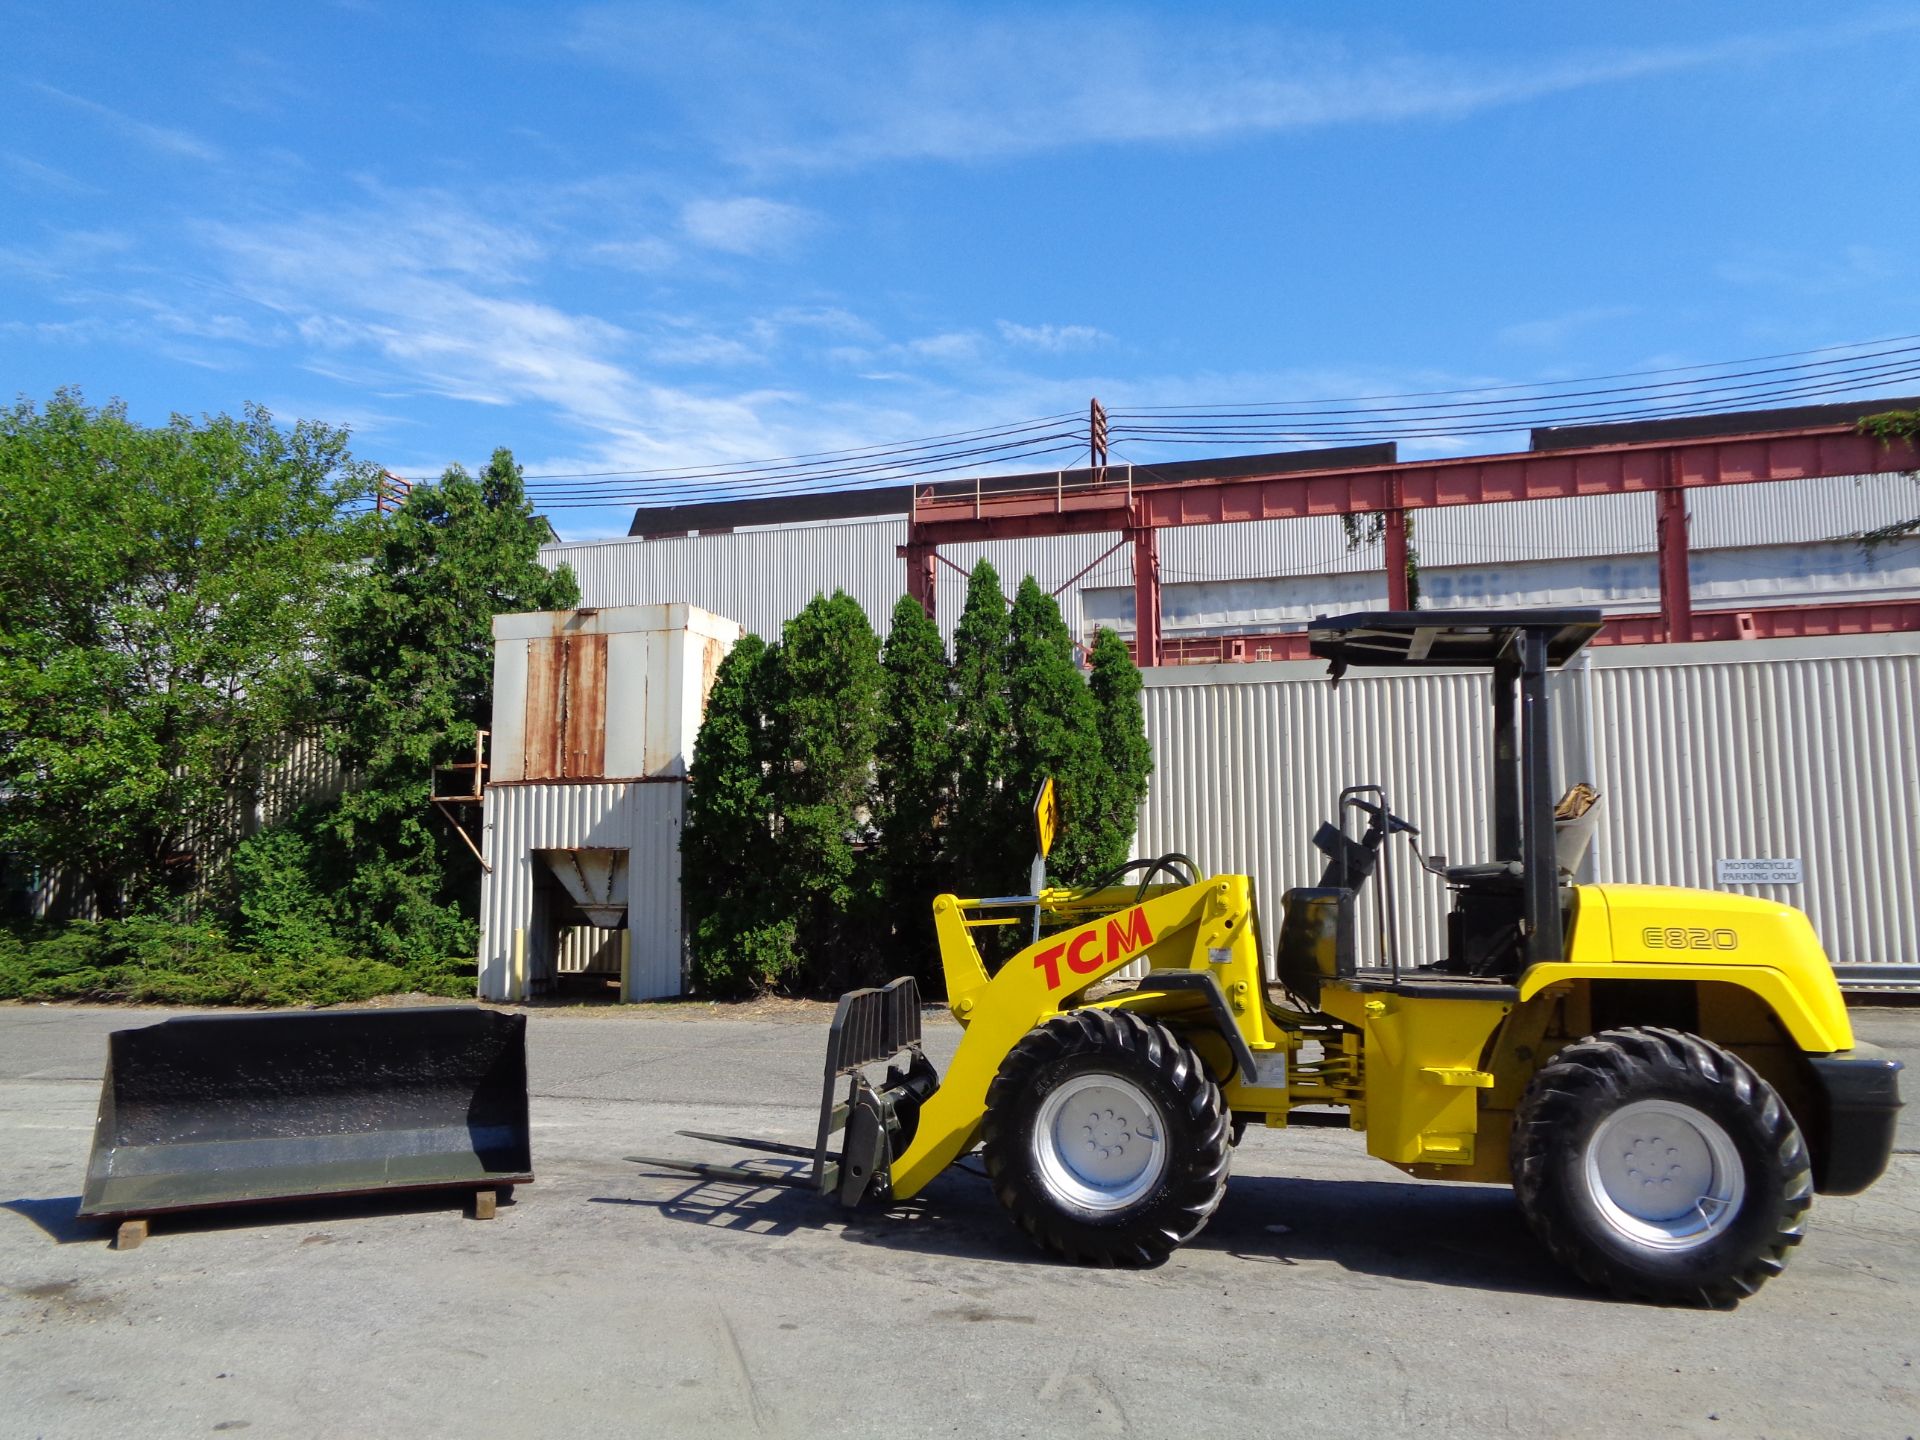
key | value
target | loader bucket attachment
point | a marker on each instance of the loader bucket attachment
(874, 1123)
(228, 1110)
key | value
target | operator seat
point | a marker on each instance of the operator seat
(1484, 932)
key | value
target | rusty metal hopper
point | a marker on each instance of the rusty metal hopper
(227, 1110)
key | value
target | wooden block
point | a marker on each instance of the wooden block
(132, 1235)
(483, 1204)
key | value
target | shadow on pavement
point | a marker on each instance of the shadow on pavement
(1470, 1236)
(56, 1216)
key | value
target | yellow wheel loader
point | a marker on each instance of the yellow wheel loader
(1665, 1076)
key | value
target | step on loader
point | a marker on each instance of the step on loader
(1666, 1077)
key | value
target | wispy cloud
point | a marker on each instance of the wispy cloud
(1558, 329)
(1054, 339)
(644, 255)
(744, 225)
(44, 177)
(1853, 267)
(161, 138)
(66, 255)
(417, 294)
(936, 84)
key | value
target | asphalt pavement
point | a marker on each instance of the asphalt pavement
(1330, 1294)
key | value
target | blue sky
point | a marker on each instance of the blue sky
(655, 235)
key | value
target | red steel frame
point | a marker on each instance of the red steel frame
(1668, 467)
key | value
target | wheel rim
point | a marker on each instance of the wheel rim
(1099, 1143)
(1664, 1175)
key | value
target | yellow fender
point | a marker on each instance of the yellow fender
(1657, 932)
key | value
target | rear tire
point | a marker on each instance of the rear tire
(1657, 1165)
(1105, 1139)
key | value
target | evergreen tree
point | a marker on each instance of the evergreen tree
(826, 708)
(1053, 733)
(412, 649)
(987, 818)
(913, 784)
(1126, 759)
(738, 940)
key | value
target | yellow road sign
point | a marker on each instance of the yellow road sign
(1046, 816)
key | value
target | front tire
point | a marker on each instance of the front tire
(1105, 1139)
(1659, 1166)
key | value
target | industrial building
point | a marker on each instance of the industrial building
(1757, 701)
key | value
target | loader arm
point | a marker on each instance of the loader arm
(1179, 929)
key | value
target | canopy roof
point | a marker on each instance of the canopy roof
(1447, 638)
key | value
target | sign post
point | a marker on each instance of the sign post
(1046, 824)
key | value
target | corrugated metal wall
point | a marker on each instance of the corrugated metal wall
(1782, 749)
(587, 950)
(1805, 749)
(641, 818)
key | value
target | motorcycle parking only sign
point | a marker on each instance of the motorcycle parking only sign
(1758, 872)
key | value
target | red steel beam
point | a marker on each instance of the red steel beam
(1422, 484)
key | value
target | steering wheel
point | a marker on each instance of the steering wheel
(1395, 825)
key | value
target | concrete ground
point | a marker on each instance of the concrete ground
(1330, 1294)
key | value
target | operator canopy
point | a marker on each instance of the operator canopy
(1447, 638)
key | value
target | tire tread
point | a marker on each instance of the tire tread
(1602, 1069)
(1196, 1181)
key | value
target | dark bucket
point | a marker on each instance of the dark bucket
(230, 1109)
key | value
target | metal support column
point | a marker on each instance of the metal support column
(1676, 590)
(1146, 596)
(1398, 596)
(1506, 760)
(922, 561)
(1542, 876)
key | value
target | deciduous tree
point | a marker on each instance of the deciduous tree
(162, 593)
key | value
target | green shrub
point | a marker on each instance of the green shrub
(148, 960)
(730, 960)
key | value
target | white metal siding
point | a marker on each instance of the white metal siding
(1792, 512)
(1809, 753)
(1804, 749)
(641, 818)
(587, 950)
(1249, 759)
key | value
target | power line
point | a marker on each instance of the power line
(1528, 406)
(1543, 385)
(1752, 382)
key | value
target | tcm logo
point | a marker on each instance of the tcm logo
(1672, 937)
(1089, 950)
